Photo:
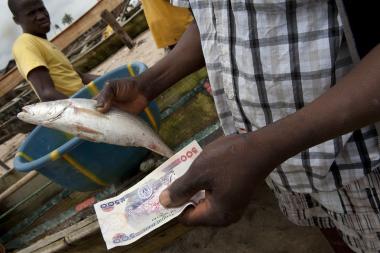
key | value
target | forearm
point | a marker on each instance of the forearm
(44, 85)
(183, 60)
(87, 77)
(352, 103)
(51, 95)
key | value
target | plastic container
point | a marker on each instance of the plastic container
(78, 164)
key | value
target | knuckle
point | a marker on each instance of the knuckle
(108, 90)
(107, 86)
(115, 83)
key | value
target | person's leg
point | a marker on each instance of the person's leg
(335, 240)
(354, 227)
(304, 210)
(358, 221)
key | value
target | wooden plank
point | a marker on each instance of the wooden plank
(198, 114)
(51, 240)
(169, 97)
(135, 25)
(153, 242)
(5, 167)
(33, 199)
(58, 236)
(86, 235)
(17, 185)
(9, 81)
(85, 22)
(9, 148)
(123, 35)
(62, 40)
(9, 178)
(101, 51)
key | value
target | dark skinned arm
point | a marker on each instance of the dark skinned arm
(133, 94)
(44, 85)
(86, 77)
(230, 168)
(184, 59)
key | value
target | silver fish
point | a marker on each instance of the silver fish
(79, 117)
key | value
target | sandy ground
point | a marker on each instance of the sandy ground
(263, 229)
(7, 150)
(144, 51)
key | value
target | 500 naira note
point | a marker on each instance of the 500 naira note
(137, 211)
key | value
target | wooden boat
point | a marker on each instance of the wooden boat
(97, 53)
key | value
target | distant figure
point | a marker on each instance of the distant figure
(40, 62)
(166, 22)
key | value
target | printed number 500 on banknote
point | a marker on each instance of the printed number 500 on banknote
(137, 211)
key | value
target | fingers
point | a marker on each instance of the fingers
(135, 107)
(198, 215)
(208, 213)
(181, 190)
(104, 99)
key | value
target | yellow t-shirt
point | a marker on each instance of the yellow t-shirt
(31, 52)
(166, 22)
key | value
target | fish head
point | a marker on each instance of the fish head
(44, 112)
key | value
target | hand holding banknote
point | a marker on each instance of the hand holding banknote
(137, 211)
(228, 169)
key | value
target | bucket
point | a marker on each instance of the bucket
(78, 164)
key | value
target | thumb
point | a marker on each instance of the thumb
(181, 190)
(104, 99)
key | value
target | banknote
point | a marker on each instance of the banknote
(137, 211)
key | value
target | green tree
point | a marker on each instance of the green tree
(67, 19)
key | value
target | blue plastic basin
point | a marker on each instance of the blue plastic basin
(82, 165)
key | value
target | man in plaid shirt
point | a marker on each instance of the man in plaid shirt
(293, 106)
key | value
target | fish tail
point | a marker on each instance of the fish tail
(161, 149)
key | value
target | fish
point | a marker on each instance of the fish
(79, 117)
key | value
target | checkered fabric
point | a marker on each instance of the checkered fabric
(266, 59)
(357, 218)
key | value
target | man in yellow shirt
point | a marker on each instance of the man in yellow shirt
(166, 22)
(39, 61)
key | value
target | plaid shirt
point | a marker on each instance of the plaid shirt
(266, 59)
